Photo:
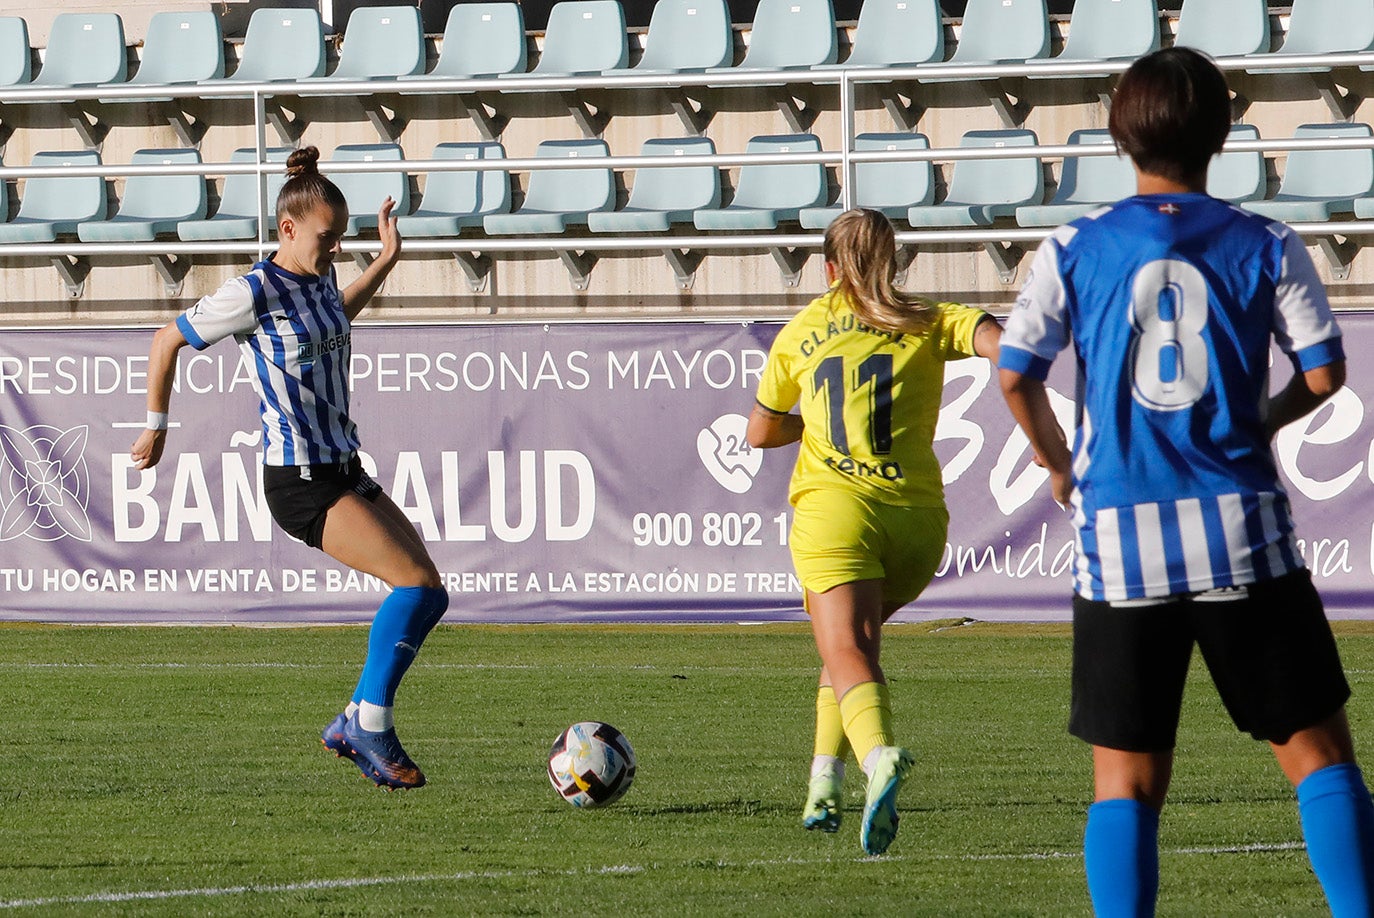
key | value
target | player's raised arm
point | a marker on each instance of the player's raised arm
(357, 294)
(162, 362)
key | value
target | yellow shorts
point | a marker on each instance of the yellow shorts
(839, 537)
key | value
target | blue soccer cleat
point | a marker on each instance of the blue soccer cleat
(823, 796)
(389, 765)
(334, 740)
(880, 806)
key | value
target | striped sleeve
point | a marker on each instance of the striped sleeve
(227, 311)
(1038, 328)
(1304, 325)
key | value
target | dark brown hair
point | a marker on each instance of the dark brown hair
(305, 189)
(862, 246)
(1170, 113)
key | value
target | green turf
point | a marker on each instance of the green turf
(149, 760)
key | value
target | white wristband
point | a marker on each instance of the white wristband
(157, 420)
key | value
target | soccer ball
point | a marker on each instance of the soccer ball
(591, 764)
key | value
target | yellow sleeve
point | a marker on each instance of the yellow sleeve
(777, 389)
(954, 332)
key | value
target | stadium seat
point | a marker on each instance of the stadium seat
(1327, 26)
(380, 43)
(84, 49)
(559, 198)
(1108, 30)
(53, 206)
(583, 37)
(1085, 183)
(455, 200)
(892, 188)
(896, 33)
(767, 195)
(181, 46)
(481, 40)
(1002, 31)
(1238, 175)
(152, 204)
(237, 214)
(664, 195)
(15, 53)
(280, 44)
(791, 34)
(1224, 28)
(687, 35)
(981, 190)
(1319, 184)
(365, 191)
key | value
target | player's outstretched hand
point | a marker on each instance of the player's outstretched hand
(387, 232)
(147, 449)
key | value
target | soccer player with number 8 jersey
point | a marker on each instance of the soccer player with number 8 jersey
(866, 362)
(1170, 300)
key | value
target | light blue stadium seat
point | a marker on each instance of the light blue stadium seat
(664, 195)
(181, 47)
(559, 198)
(1002, 31)
(981, 190)
(152, 204)
(1319, 184)
(481, 40)
(15, 54)
(687, 35)
(237, 214)
(380, 43)
(791, 34)
(767, 195)
(896, 33)
(1224, 28)
(1238, 175)
(892, 188)
(365, 191)
(280, 44)
(84, 49)
(54, 206)
(1108, 30)
(455, 200)
(1324, 26)
(1085, 183)
(583, 37)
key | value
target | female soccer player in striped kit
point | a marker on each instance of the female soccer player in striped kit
(866, 362)
(292, 323)
(1171, 299)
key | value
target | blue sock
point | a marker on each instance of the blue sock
(1121, 856)
(398, 630)
(1338, 824)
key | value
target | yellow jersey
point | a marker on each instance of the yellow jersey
(869, 399)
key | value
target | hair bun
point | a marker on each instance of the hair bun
(303, 161)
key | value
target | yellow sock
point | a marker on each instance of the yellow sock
(867, 715)
(830, 738)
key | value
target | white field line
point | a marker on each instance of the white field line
(206, 892)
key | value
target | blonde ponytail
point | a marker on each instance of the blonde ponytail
(862, 246)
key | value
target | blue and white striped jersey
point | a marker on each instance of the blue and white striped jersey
(295, 334)
(1171, 302)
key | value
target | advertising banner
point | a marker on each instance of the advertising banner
(562, 472)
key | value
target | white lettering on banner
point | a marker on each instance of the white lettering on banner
(72, 375)
(455, 530)
(190, 504)
(1010, 560)
(717, 369)
(126, 496)
(952, 425)
(1011, 494)
(410, 480)
(500, 521)
(1334, 422)
(476, 372)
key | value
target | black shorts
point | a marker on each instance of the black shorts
(1271, 655)
(300, 495)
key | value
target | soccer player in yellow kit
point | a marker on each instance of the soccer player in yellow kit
(866, 362)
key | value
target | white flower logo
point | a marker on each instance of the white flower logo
(44, 483)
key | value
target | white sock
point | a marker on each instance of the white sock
(374, 718)
(827, 765)
(350, 709)
(869, 760)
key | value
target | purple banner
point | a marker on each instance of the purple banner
(557, 473)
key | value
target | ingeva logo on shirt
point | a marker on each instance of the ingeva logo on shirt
(309, 350)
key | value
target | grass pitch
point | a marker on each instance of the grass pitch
(177, 771)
